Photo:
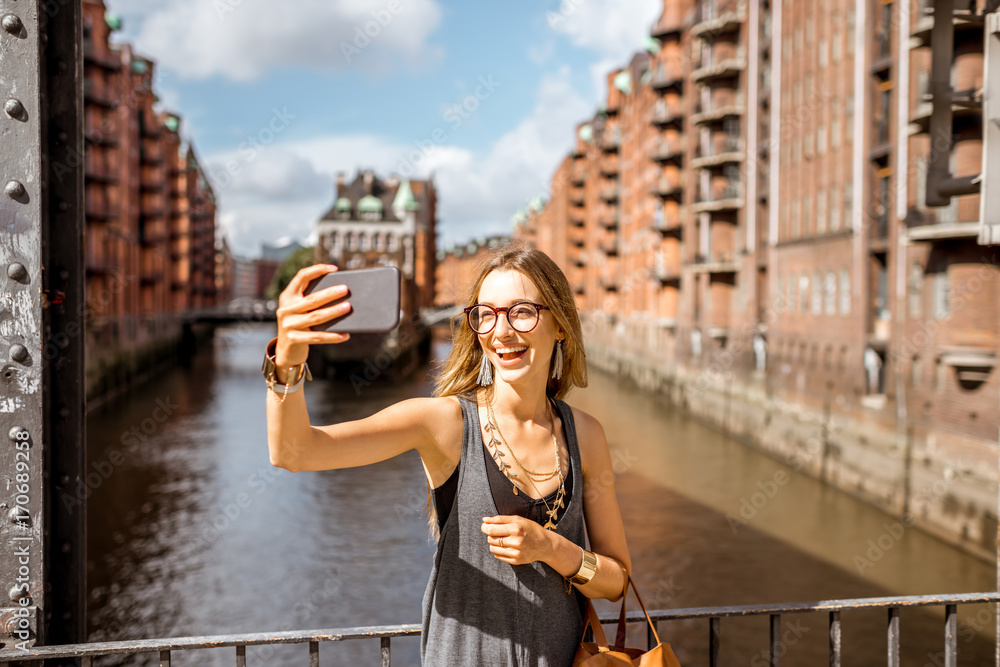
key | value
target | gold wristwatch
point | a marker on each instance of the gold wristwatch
(297, 375)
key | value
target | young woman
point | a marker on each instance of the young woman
(518, 477)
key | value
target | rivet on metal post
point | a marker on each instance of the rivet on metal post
(19, 515)
(12, 24)
(14, 189)
(15, 432)
(14, 108)
(18, 352)
(17, 593)
(16, 271)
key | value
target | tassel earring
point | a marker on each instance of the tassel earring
(557, 365)
(485, 372)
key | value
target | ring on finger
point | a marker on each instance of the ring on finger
(501, 543)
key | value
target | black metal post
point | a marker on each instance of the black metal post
(63, 320)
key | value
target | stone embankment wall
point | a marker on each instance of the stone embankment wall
(943, 482)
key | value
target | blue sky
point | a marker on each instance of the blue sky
(279, 97)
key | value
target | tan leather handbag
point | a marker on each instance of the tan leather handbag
(599, 654)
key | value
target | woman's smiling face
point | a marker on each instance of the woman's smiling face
(517, 357)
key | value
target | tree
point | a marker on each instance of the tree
(299, 259)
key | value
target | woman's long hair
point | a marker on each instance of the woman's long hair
(460, 373)
(461, 370)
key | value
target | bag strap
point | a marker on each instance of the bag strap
(592, 621)
(620, 636)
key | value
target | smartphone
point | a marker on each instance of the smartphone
(374, 297)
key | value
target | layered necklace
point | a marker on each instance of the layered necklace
(496, 439)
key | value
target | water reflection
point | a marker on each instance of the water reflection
(193, 532)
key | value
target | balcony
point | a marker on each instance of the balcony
(576, 197)
(667, 151)
(671, 225)
(730, 153)
(577, 238)
(713, 68)
(577, 177)
(576, 219)
(719, 110)
(151, 156)
(97, 137)
(671, 23)
(98, 94)
(942, 231)
(99, 251)
(608, 245)
(664, 114)
(98, 209)
(667, 270)
(609, 167)
(667, 187)
(610, 143)
(731, 198)
(714, 263)
(666, 77)
(579, 259)
(714, 21)
(91, 57)
(608, 220)
(100, 170)
(609, 194)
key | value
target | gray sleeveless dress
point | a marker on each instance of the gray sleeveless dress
(480, 611)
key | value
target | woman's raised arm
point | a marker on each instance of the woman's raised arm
(295, 444)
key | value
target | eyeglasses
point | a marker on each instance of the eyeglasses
(523, 316)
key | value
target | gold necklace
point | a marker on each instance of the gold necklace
(493, 429)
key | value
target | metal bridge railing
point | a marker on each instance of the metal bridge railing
(385, 633)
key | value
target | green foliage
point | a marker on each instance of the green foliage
(299, 259)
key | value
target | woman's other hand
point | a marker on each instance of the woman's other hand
(297, 313)
(524, 541)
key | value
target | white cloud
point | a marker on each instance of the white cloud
(245, 39)
(286, 188)
(612, 28)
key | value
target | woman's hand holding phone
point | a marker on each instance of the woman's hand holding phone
(297, 313)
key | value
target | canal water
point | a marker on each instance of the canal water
(191, 531)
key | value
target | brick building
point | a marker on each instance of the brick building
(150, 212)
(760, 223)
(388, 222)
(457, 269)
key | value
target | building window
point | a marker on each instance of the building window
(916, 370)
(835, 131)
(830, 289)
(807, 219)
(834, 208)
(817, 294)
(821, 140)
(363, 240)
(850, 30)
(803, 294)
(779, 296)
(393, 243)
(942, 289)
(823, 53)
(848, 207)
(837, 41)
(845, 292)
(874, 364)
(821, 211)
(796, 218)
(791, 295)
(916, 293)
(352, 241)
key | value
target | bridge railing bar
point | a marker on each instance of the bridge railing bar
(385, 633)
